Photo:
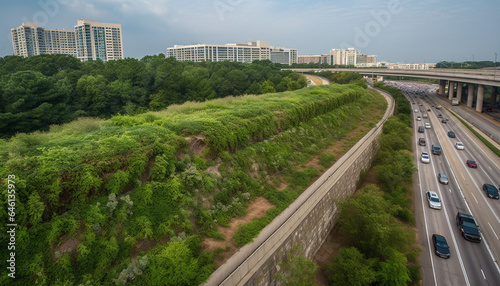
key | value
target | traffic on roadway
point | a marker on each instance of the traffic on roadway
(456, 196)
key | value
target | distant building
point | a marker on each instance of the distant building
(96, 40)
(246, 53)
(89, 40)
(352, 57)
(411, 66)
(30, 40)
(316, 59)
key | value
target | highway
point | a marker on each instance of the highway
(470, 263)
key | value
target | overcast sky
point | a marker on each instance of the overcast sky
(394, 30)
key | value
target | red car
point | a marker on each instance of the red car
(471, 163)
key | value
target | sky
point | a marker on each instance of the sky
(393, 30)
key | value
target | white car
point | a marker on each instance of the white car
(424, 158)
(459, 146)
(416, 110)
(419, 118)
(427, 125)
(433, 200)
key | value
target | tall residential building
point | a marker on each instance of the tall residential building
(351, 57)
(30, 40)
(96, 40)
(246, 53)
(89, 40)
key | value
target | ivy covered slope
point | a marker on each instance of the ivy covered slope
(130, 200)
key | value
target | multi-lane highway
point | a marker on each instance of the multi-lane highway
(470, 263)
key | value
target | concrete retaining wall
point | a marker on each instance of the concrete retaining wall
(306, 222)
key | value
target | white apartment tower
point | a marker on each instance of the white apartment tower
(30, 40)
(96, 40)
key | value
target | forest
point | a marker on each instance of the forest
(40, 91)
(130, 198)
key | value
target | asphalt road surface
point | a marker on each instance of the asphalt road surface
(470, 263)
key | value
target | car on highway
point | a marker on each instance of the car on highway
(419, 118)
(425, 115)
(416, 110)
(443, 179)
(421, 141)
(468, 227)
(459, 146)
(443, 121)
(440, 116)
(424, 158)
(471, 163)
(428, 109)
(491, 191)
(433, 200)
(421, 129)
(436, 149)
(441, 247)
(427, 125)
(451, 134)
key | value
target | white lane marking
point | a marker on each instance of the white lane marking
(449, 190)
(493, 230)
(474, 198)
(483, 274)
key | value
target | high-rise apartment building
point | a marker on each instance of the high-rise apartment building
(89, 40)
(246, 53)
(96, 40)
(30, 40)
(351, 57)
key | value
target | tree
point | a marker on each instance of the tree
(349, 267)
(296, 269)
(393, 271)
(174, 265)
(31, 101)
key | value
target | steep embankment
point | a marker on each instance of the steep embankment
(135, 196)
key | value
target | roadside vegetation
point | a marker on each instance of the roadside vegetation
(376, 225)
(40, 91)
(131, 200)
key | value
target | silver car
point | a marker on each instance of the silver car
(443, 179)
(433, 200)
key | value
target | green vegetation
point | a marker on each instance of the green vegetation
(465, 65)
(296, 270)
(377, 222)
(130, 200)
(39, 91)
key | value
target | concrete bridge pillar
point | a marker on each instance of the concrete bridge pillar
(451, 90)
(460, 85)
(480, 98)
(470, 95)
(494, 96)
(442, 86)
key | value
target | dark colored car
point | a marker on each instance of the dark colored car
(491, 191)
(421, 141)
(472, 163)
(443, 121)
(451, 134)
(440, 116)
(421, 129)
(468, 227)
(441, 247)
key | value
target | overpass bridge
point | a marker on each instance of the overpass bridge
(466, 85)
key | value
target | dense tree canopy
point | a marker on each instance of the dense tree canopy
(39, 91)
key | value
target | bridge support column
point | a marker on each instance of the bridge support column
(480, 98)
(494, 96)
(442, 86)
(451, 90)
(470, 95)
(460, 85)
